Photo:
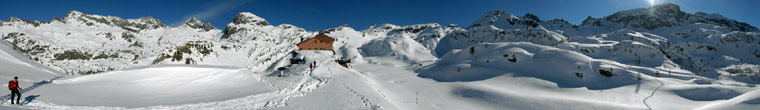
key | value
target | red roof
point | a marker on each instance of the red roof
(321, 37)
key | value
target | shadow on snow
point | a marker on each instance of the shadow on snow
(29, 98)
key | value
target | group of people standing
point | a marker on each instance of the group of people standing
(312, 66)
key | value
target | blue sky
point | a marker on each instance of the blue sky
(322, 14)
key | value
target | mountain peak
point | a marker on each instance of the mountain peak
(491, 17)
(148, 20)
(192, 20)
(505, 20)
(532, 17)
(247, 17)
(13, 19)
(55, 18)
(244, 21)
(664, 15)
(197, 24)
(666, 7)
(666, 10)
(73, 13)
(133, 25)
(497, 12)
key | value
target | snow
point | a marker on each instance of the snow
(502, 61)
(489, 60)
(365, 86)
(154, 86)
(408, 49)
(15, 64)
(746, 101)
(498, 18)
(250, 16)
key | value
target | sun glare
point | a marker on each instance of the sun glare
(651, 2)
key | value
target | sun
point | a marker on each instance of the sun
(651, 2)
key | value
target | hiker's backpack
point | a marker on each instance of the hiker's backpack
(10, 85)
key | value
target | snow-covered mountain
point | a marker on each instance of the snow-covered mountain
(406, 38)
(132, 25)
(257, 43)
(500, 26)
(658, 55)
(664, 16)
(696, 42)
(86, 44)
(197, 24)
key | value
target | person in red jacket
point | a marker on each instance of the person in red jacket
(15, 90)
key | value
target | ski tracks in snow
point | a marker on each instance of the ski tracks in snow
(277, 98)
(364, 99)
(283, 89)
(651, 95)
(308, 83)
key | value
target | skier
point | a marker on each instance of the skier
(13, 86)
(311, 66)
(315, 63)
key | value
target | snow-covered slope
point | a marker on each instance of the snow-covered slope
(398, 46)
(646, 58)
(428, 35)
(696, 42)
(16, 64)
(746, 101)
(138, 87)
(569, 69)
